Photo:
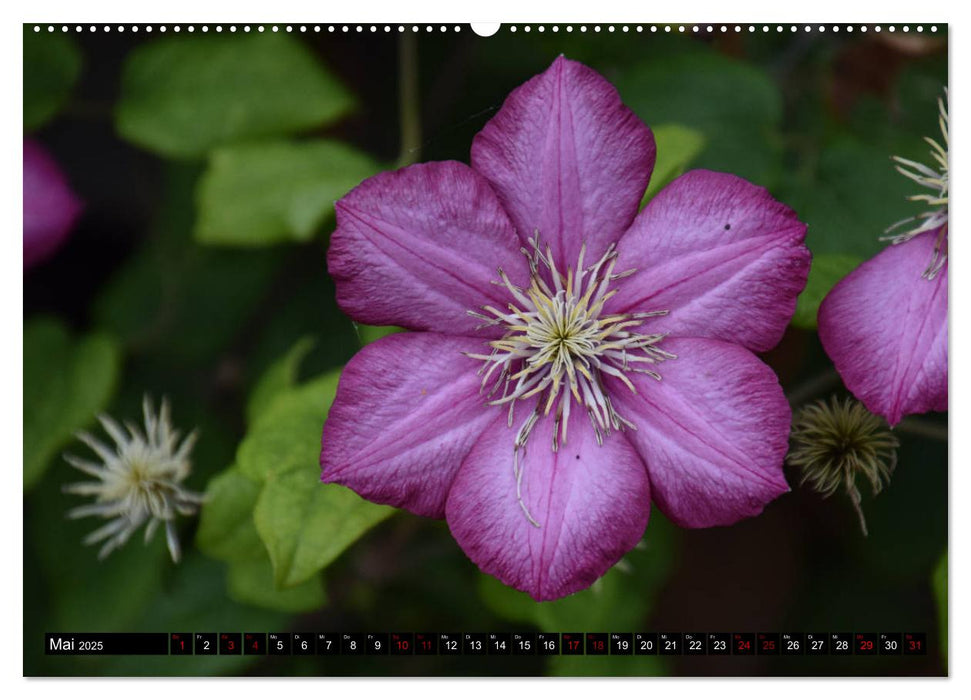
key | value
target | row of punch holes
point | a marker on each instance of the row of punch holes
(513, 28)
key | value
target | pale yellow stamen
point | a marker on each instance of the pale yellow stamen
(556, 339)
(936, 180)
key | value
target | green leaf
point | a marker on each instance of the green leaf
(306, 525)
(368, 334)
(827, 269)
(84, 593)
(620, 600)
(939, 586)
(52, 64)
(252, 582)
(226, 528)
(735, 105)
(287, 433)
(177, 301)
(677, 147)
(182, 96)
(607, 666)
(282, 375)
(851, 198)
(262, 194)
(66, 383)
(194, 598)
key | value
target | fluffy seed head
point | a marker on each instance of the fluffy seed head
(834, 442)
(139, 480)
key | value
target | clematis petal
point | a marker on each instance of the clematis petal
(50, 207)
(419, 247)
(567, 158)
(406, 414)
(885, 328)
(591, 502)
(713, 431)
(721, 255)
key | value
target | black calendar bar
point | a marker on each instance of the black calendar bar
(384, 644)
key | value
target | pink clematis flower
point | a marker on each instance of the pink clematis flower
(570, 358)
(50, 207)
(885, 324)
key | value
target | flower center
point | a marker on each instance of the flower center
(559, 344)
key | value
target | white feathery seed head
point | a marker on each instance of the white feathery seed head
(137, 482)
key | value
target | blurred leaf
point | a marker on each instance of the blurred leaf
(898, 123)
(306, 524)
(193, 598)
(827, 269)
(851, 199)
(179, 301)
(252, 582)
(620, 600)
(262, 194)
(182, 96)
(280, 376)
(939, 585)
(368, 334)
(85, 593)
(735, 106)
(226, 528)
(677, 147)
(190, 307)
(66, 383)
(287, 433)
(607, 666)
(52, 64)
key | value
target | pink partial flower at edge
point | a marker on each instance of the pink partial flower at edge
(50, 207)
(438, 248)
(885, 324)
(885, 328)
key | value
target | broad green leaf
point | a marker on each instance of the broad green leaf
(368, 334)
(183, 96)
(280, 376)
(939, 585)
(226, 529)
(287, 434)
(827, 269)
(52, 64)
(303, 523)
(619, 601)
(306, 524)
(262, 194)
(677, 147)
(66, 383)
(252, 582)
(735, 105)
